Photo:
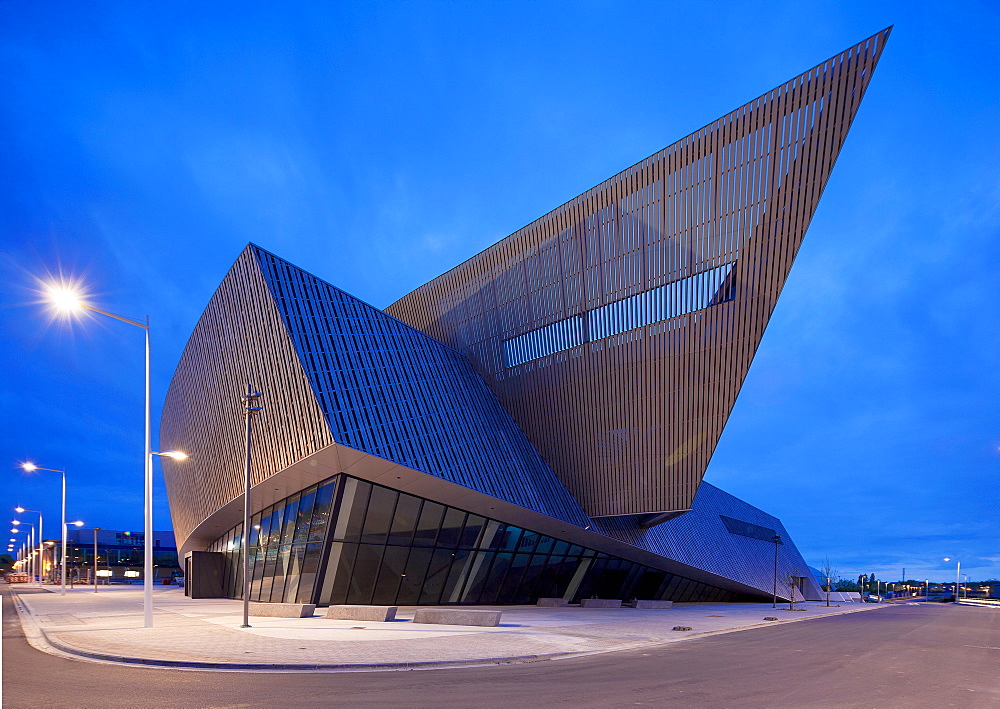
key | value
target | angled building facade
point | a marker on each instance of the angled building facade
(535, 422)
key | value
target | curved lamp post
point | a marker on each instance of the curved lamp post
(30, 467)
(68, 300)
(147, 570)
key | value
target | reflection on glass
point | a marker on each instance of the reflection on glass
(377, 545)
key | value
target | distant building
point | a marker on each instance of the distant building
(120, 555)
(535, 422)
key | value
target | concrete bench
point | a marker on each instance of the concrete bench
(378, 614)
(282, 610)
(652, 604)
(600, 603)
(552, 602)
(457, 616)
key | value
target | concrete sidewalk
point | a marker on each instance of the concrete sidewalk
(205, 634)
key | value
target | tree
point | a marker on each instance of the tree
(831, 575)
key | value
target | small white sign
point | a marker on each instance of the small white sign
(104, 572)
(131, 574)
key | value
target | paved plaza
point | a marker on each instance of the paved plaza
(205, 634)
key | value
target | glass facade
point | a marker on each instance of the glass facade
(350, 541)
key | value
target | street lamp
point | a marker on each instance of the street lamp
(148, 565)
(30, 468)
(958, 573)
(251, 407)
(32, 565)
(68, 300)
(96, 530)
(41, 534)
(777, 540)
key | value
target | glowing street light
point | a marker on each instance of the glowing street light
(31, 544)
(30, 467)
(68, 300)
(41, 534)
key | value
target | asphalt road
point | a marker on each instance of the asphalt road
(902, 656)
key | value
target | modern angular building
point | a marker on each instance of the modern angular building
(535, 422)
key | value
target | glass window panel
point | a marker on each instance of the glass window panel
(288, 526)
(528, 541)
(473, 530)
(352, 510)
(494, 583)
(337, 575)
(575, 550)
(322, 511)
(560, 548)
(404, 519)
(648, 585)
(478, 573)
(437, 574)
(278, 577)
(390, 575)
(512, 581)
(267, 574)
(545, 545)
(307, 579)
(493, 535)
(430, 522)
(547, 585)
(577, 571)
(379, 515)
(511, 538)
(273, 533)
(413, 581)
(304, 516)
(456, 579)
(451, 528)
(672, 587)
(589, 586)
(254, 530)
(526, 592)
(293, 572)
(363, 579)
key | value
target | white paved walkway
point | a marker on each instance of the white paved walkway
(200, 633)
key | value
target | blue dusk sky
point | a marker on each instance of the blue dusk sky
(378, 144)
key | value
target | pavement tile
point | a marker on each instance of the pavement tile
(109, 623)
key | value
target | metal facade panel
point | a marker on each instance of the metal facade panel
(703, 539)
(392, 391)
(629, 420)
(333, 370)
(240, 339)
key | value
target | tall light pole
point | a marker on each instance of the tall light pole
(96, 530)
(777, 540)
(41, 534)
(66, 526)
(30, 468)
(148, 565)
(958, 573)
(68, 300)
(32, 564)
(251, 407)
